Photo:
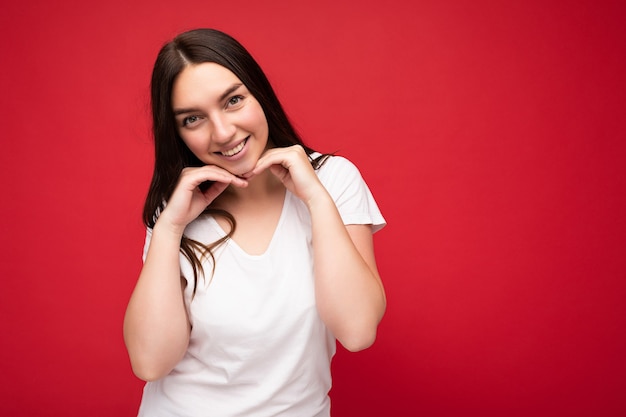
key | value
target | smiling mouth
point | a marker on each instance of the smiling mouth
(234, 151)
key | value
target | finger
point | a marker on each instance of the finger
(215, 190)
(196, 176)
(273, 157)
(279, 171)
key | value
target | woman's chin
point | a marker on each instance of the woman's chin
(240, 170)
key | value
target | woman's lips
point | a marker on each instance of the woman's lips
(234, 151)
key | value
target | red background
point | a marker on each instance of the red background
(491, 133)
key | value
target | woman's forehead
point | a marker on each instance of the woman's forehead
(205, 81)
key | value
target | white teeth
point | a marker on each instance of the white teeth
(235, 150)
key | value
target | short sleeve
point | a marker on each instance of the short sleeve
(351, 194)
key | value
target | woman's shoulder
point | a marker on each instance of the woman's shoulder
(338, 174)
(330, 165)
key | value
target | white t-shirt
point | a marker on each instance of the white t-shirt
(258, 346)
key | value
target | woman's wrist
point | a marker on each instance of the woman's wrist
(320, 201)
(167, 229)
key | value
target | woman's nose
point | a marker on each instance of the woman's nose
(223, 129)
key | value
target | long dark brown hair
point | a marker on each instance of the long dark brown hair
(171, 153)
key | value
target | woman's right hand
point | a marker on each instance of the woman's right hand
(188, 201)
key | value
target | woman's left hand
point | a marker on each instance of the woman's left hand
(292, 166)
(349, 294)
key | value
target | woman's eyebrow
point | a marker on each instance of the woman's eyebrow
(230, 90)
(178, 112)
(223, 96)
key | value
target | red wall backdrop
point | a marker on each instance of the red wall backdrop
(491, 133)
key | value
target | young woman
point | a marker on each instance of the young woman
(258, 252)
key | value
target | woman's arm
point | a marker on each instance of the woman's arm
(156, 326)
(349, 293)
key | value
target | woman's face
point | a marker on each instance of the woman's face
(218, 119)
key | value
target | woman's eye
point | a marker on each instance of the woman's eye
(234, 100)
(190, 120)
